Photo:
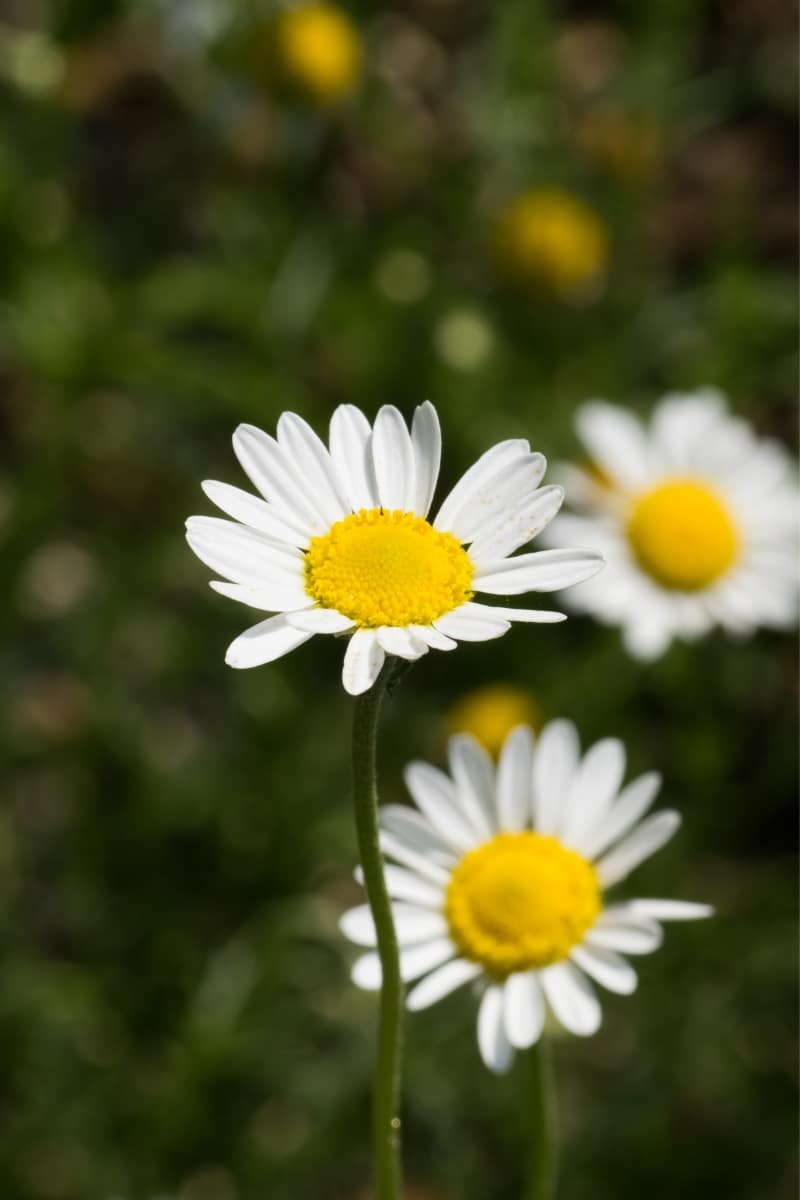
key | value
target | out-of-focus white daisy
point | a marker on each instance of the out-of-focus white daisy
(339, 541)
(695, 516)
(501, 876)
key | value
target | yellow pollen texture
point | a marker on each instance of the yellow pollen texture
(682, 535)
(521, 901)
(388, 568)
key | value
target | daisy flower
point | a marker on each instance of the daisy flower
(501, 877)
(339, 540)
(695, 516)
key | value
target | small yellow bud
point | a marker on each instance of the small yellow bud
(490, 713)
(319, 49)
(552, 239)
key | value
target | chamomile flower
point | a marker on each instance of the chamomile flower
(501, 877)
(339, 541)
(695, 516)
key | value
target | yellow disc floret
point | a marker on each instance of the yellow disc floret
(683, 535)
(521, 901)
(388, 568)
(319, 49)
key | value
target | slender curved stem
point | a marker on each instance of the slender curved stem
(386, 1093)
(543, 1163)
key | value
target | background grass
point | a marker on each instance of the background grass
(185, 244)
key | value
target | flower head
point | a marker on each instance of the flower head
(490, 713)
(319, 50)
(549, 238)
(695, 516)
(339, 540)
(501, 878)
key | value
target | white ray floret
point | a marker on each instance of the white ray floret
(499, 878)
(695, 516)
(338, 540)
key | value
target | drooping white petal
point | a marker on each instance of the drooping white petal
(473, 773)
(607, 968)
(540, 571)
(471, 623)
(264, 643)
(435, 795)
(515, 780)
(650, 836)
(366, 972)
(351, 452)
(493, 462)
(402, 853)
(393, 460)
(670, 910)
(357, 925)
(313, 463)
(401, 642)
(242, 554)
(572, 998)
(267, 467)
(618, 928)
(616, 443)
(554, 764)
(630, 806)
(257, 513)
(515, 526)
(432, 637)
(418, 960)
(594, 786)
(528, 616)
(320, 620)
(363, 660)
(494, 1046)
(405, 885)
(426, 440)
(524, 1010)
(415, 831)
(414, 925)
(278, 597)
(441, 983)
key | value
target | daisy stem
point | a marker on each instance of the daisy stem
(386, 1091)
(543, 1168)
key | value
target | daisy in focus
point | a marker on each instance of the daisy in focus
(501, 877)
(695, 516)
(338, 541)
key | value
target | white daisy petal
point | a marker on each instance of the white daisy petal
(515, 780)
(269, 598)
(650, 836)
(630, 806)
(616, 442)
(509, 490)
(432, 637)
(491, 464)
(495, 1048)
(529, 616)
(264, 643)
(621, 930)
(572, 998)
(670, 910)
(313, 463)
(418, 960)
(242, 555)
(524, 1010)
(320, 620)
(473, 773)
(401, 642)
(414, 830)
(554, 764)
(402, 853)
(465, 624)
(435, 795)
(363, 660)
(357, 925)
(426, 440)
(405, 885)
(441, 983)
(366, 972)
(393, 460)
(267, 467)
(607, 968)
(540, 571)
(255, 512)
(516, 526)
(594, 786)
(351, 453)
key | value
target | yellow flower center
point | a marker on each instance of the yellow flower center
(553, 238)
(520, 901)
(682, 535)
(388, 568)
(320, 49)
(490, 713)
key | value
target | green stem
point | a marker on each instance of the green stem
(386, 1092)
(543, 1168)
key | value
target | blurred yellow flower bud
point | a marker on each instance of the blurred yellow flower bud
(550, 238)
(491, 712)
(319, 49)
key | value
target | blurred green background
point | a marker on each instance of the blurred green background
(206, 219)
